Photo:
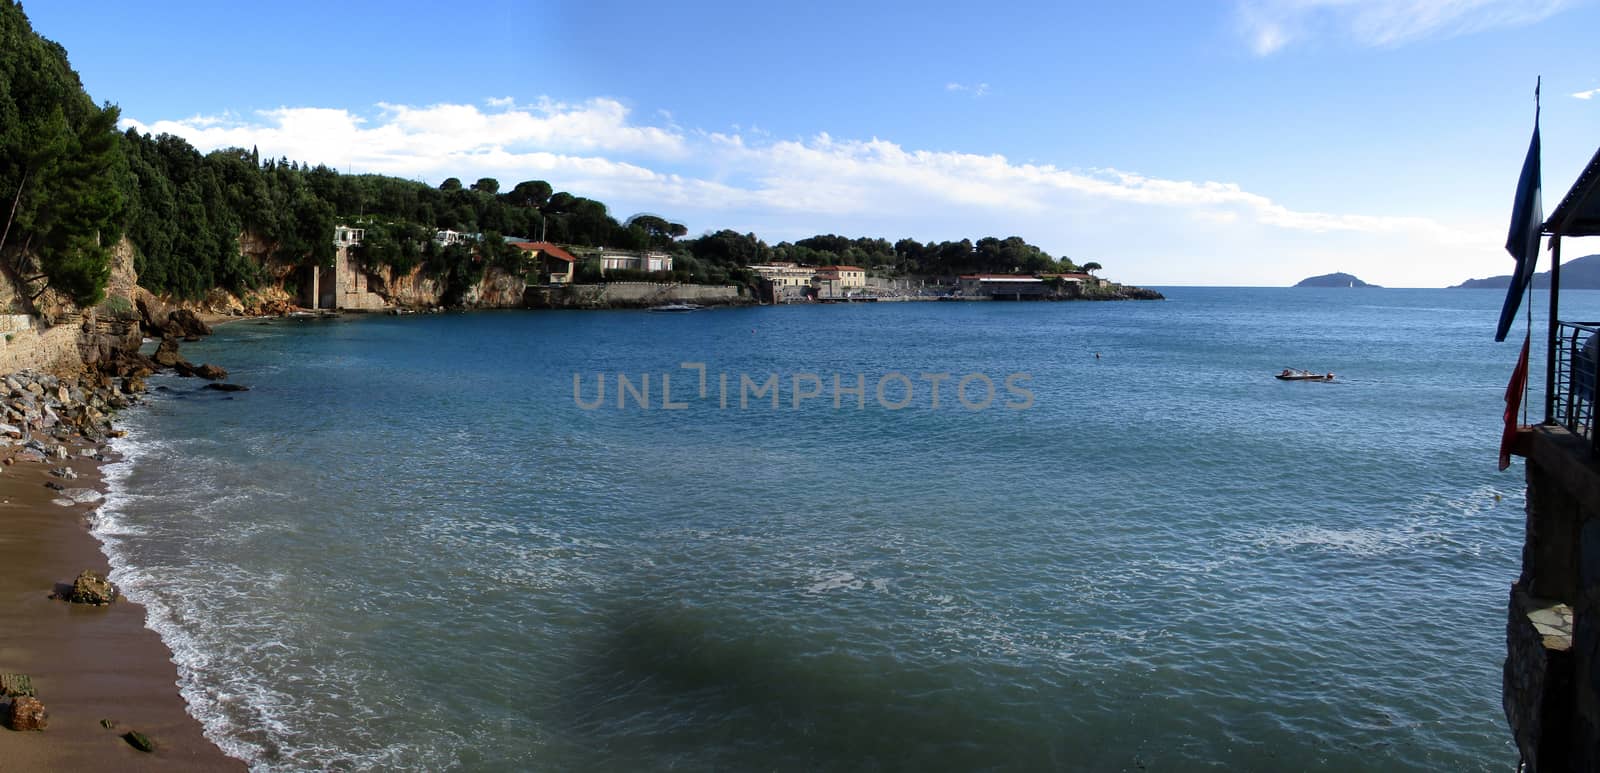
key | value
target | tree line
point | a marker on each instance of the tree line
(72, 185)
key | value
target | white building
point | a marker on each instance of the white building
(785, 274)
(617, 260)
(345, 236)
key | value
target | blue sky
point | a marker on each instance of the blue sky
(1245, 142)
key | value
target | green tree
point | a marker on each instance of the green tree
(59, 163)
(529, 194)
(1091, 267)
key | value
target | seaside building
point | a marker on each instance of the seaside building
(1078, 278)
(1550, 685)
(552, 264)
(785, 274)
(343, 285)
(1012, 286)
(846, 277)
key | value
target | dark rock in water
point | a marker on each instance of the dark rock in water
(167, 353)
(27, 713)
(139, 741)
(222, 386)
(183, 323)
(183, 368)
(210, 372)
(152, 313)
(91, 588)
(13, 685)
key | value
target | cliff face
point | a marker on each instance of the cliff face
(416, 290)
(287, 285)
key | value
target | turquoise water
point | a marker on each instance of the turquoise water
(411, 546)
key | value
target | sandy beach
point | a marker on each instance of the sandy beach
(88, 664)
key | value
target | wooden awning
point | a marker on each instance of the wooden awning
(1578, 214)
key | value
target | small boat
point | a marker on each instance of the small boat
(1291, 374)
(677, 307)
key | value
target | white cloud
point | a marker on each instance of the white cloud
(789, 188)
(1590, 94)
(1271, 25)
(976, 90)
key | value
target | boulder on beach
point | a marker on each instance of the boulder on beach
(27, 713)
(82, 496)
(91, 588)
(139, 741)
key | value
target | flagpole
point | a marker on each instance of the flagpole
(1525, 341)
(1550, 347)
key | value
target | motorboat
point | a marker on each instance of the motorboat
(677, 307)
(1293, 374)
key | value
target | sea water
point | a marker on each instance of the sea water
(414, 544)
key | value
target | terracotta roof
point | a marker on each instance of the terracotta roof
(840, 268)
(546, 248)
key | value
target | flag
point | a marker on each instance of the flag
(1527, 220)
(1514, 390)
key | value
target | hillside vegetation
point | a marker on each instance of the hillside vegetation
(72, 184)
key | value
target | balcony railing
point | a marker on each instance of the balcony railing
(1577, 370)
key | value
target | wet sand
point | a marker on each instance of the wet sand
(87, 663)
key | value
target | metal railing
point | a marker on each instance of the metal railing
(1577, 371)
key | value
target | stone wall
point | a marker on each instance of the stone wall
(634, 295)
(351, 290)
(45, 350)
(1551, 683)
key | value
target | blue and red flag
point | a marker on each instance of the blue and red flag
(1527, 221)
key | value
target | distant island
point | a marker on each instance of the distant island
(1333, 280)
(1577, 274)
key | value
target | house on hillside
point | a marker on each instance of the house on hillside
(551, 263)
(345, 236)
(622, 260)
(447, 238)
